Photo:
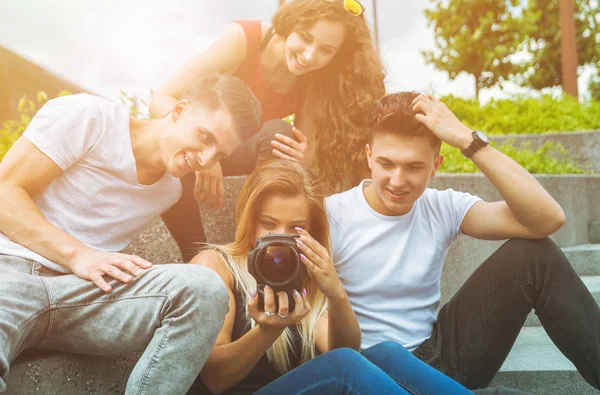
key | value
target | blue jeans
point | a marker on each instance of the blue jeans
(386, 368)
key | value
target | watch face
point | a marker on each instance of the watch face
(481, 136)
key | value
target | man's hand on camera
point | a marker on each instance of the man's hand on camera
(270, 319)
(319, 265)
(93, 265)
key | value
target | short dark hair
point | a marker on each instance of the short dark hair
(229, 92)
(394, 114)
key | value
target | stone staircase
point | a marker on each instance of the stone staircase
(535, 365)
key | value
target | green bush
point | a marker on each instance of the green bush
(527, 115)
(12, 129)
(594, 86)
(550, 158)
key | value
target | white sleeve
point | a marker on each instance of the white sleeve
(450, 208)
(66, 128)
(334, 217)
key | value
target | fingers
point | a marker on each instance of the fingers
(198, 185)
(205, 189)
(287, 150)
(300, 137)
(283, 304)
(281, 155)
(114, 272)
(140, 261)
(253, 309)
(96, 277)
(220, 193)
(299, 304)
(212, 198)
(310, 247)
(288, 141)
(269, 299)
(130, 267)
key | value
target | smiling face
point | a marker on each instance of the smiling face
(281, 215)
(401, 167)
(309, 49)
(196, 139)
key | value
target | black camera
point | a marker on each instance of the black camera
(276, 261)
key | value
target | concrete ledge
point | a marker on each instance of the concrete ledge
(69, 374)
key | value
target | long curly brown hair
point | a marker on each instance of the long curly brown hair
(338, 97)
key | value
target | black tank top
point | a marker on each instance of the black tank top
(264, 372)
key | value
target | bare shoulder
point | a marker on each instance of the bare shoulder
(214, 260)
(265, 27)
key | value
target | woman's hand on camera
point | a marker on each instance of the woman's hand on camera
(319, 265)
(272, 319)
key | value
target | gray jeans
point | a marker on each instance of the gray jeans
(174, 312)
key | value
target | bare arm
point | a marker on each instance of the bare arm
(230, 362)
(24, 172)
(341, 327)
(528, 211)
(223, 56)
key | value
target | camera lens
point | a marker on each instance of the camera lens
(278, 263)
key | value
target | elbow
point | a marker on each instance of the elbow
(557, 221)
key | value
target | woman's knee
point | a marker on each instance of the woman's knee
(346, 357)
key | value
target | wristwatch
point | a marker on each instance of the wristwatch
(480, 140)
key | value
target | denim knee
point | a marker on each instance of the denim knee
(386, 347)
(201, 285)
(346, 357)
(541, 251)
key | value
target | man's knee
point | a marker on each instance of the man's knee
(346, 357)
(540, 250)
(200, 287)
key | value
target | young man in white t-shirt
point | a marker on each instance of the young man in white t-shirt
(391, 233)
(80, 184)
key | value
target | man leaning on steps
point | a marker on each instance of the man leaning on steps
(390, 236)
(80, 184)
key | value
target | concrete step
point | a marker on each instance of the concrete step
(594, 231)
(584, 258)
(535, 365)
(591, 282)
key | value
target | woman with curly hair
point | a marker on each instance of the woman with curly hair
(273, 348)
(318, 61)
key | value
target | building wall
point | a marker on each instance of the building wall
(19, 76)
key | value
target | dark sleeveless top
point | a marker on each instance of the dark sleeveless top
(263, 373)
(274, 105)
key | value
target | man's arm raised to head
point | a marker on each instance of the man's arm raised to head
(528, 210)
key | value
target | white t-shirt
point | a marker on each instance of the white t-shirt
(391, 265)
(97, 198)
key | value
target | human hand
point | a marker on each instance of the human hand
(319, 265)
(209, 189)
(438, 118)
(270, 319)
(290, 148)
(92, 265)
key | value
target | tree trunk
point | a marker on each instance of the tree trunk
(476, 87)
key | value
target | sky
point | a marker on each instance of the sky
(106, 46)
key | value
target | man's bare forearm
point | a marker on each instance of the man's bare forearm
(23, 223)
(529, 202)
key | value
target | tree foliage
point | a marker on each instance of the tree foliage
(543, 42)
(478, 37)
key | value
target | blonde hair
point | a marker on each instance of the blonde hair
(287, 179)
(338, 97)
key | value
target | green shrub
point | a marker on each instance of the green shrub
(594, 86)
(550, 158)
(12, 129)
(527, 115)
